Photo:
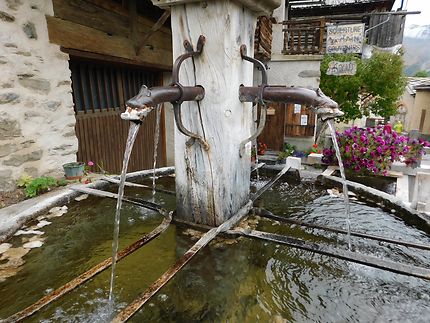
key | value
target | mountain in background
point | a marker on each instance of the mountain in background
(416, 44)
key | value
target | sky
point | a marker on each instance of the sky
(416, 5)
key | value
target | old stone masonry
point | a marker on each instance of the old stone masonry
(36, 108)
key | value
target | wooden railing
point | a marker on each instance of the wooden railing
(304, 37)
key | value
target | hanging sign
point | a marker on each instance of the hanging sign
(343, 39)
(304, 120)
(342, 68)
(271, 111)
(297, 108)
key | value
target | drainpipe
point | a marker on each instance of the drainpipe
(381, 23)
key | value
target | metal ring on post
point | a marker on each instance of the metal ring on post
(181, 93)
(263, 112)
(175, 82)
(185, 131)
(255, 62)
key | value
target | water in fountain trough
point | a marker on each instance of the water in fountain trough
(232, 280)
(132, 134)
(342, 174)
(156, 140)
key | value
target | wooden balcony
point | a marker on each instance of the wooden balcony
(304, 37)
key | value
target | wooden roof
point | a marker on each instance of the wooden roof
(313, 8)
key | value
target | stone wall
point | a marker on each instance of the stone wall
(37, 119)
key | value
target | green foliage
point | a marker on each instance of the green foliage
(61, 182)
(40, 185)
(287, 152)
(283, 155)
(421, 74)
(378, 82)
(24, 180)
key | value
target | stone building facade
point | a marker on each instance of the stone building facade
(37, 121)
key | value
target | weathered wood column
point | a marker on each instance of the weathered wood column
(212, 185)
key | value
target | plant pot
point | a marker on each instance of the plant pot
(74, 171)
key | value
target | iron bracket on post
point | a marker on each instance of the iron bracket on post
(175, 82)
(263, 112)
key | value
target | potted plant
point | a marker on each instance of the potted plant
(74, 170)
(286, 152)
(314, 149)
(282, 156)
(300, 154)
(371, 151)
(261, 148)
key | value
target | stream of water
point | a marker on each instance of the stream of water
(342, 174)
(132, 134)
(156, 140)
(257, 173)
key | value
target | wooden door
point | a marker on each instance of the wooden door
(99, 92)
(299, 121)
(273, 133)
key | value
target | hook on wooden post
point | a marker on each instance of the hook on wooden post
(263, 112)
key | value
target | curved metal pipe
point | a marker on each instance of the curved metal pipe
(263, 114)
(185, 131)
(140, 105)
(324, 106)
(183, 57)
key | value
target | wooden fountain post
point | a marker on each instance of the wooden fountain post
(212, 185)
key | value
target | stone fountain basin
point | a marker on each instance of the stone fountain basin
(233, 279)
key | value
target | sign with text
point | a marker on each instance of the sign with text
(297, 108)
(303, 120)
(345, 39)
(342, 68)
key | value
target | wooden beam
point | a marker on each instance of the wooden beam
(113, 60)
(75, 36)
(103, 15)
(134, 306)
(212, 185)
(117, 8)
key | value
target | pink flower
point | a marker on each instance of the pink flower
(90, 163)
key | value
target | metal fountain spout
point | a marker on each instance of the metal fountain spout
(138, 107)
(324, 107)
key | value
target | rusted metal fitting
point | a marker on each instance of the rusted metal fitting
(324, 106)
(259, 99)
(138, 107)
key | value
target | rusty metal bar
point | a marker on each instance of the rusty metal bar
(324, 106)
(370, 261)
(160, 94)
(261, 124)
(128, 199)
(74, 283)
(259, 99)
(133, 307)
(130, 184)
(270, 215)
(313, 98)
(190, 53)
(271, 183)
